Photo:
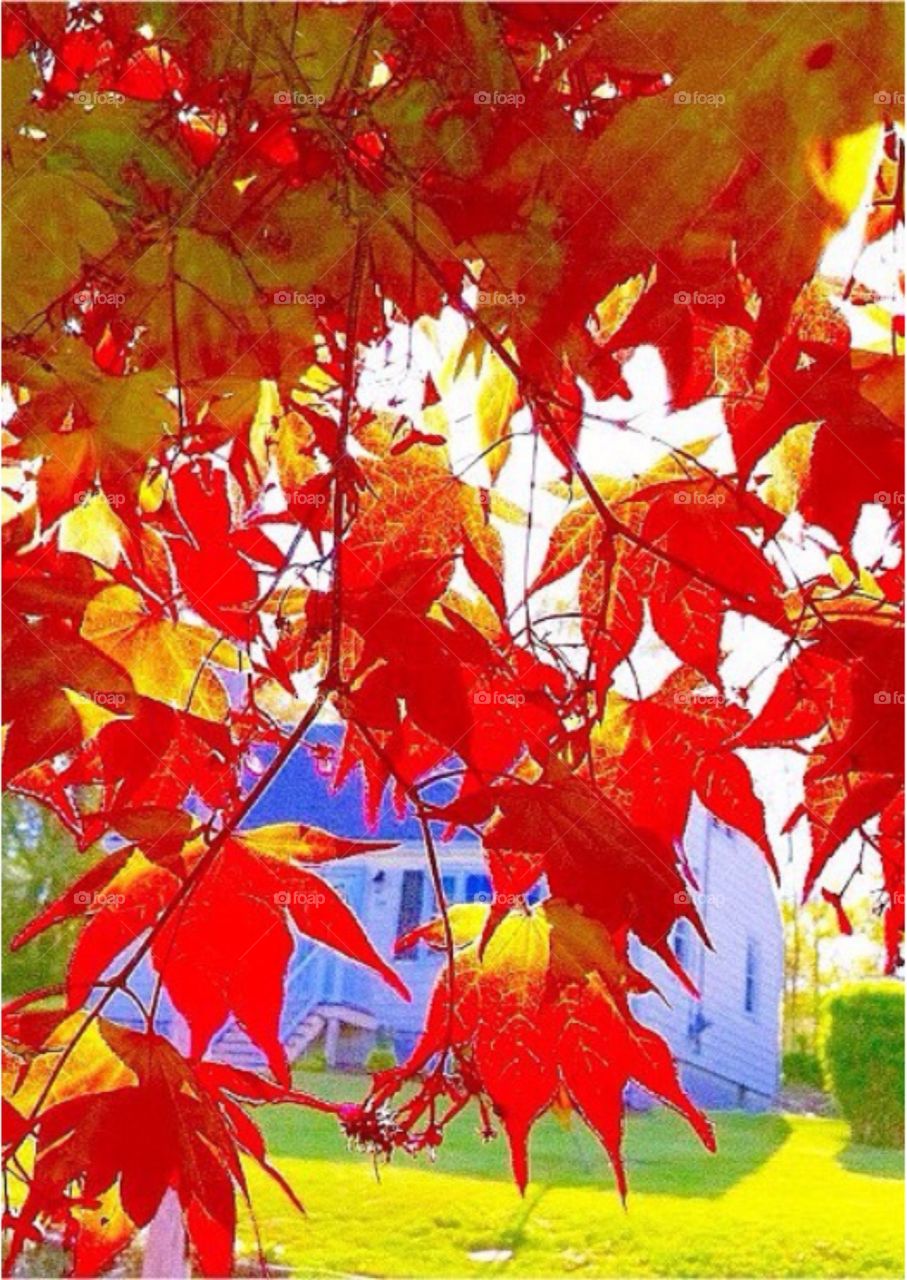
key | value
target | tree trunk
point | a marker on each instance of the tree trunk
(165, 1244)
(166, 1256)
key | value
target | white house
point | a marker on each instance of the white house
(727, 1042)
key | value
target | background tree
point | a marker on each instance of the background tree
(40, 859)
(818, 959)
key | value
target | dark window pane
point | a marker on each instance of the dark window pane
(751, 980)
(680, 943)
(410, 915)
(478, 888)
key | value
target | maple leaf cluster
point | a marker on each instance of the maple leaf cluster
(219, 528)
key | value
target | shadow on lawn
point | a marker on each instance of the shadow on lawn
(876, 1162)
(668, 1160)
(662, 1155)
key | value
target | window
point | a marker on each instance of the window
(478, 888)
(412, 890)
(680, 943)
(751, 977)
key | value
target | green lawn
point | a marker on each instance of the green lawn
(784, 1196)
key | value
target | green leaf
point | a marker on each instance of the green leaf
(53, 228)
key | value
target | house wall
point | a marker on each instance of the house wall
(728, 1053)
(728, 1040)
(382, 880)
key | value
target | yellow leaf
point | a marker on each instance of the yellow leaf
(497, 397)
(517, 955)
(92, 715)
(169, 661)
(572, 540)
(93, 529)
(506, 510)
(290, 438)
(477, 374)
(267, 409)
(297, 842)
(613, 310)
(846, 179)
(786, 467)
(91, 1067)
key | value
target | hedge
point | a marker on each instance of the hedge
(800, 1067)
(862, 1049)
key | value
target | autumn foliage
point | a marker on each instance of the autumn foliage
(221, 527)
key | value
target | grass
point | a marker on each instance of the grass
(784, 1196)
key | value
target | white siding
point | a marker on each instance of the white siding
(731, 1058)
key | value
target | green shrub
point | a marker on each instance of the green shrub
(314, 1060)
(862, 1049)
(381, 1058)
(802, 1067)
